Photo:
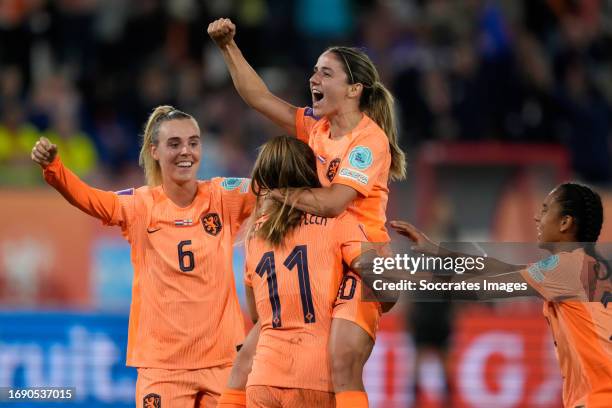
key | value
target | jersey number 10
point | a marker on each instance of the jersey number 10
(298, 258)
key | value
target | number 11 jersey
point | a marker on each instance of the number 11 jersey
(295, 287)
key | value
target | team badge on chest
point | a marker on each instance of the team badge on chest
(211, 223)
(151, 401)
(332, 169)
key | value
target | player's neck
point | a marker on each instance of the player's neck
(181, 194)
(562, 246)
(343, 122)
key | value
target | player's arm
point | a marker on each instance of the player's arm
(423, 244)
(250, 298)
(324, 201)
(247, 82)
(238, 199)
(362, 266)
(97, 203)
(356, 176)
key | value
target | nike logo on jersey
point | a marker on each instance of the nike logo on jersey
(152, 230)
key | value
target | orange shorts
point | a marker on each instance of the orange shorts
(263, 396)
(157, 387)
(349, 306)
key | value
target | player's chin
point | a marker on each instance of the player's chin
(186, 174)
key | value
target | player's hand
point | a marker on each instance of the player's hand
(43, 152)
(267, 204)
(222, 31)
(422, 243)
(277, 195)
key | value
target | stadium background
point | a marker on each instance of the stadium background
(497, 102)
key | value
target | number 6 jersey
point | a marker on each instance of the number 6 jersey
(185, 312)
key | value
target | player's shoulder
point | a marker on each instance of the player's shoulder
(137, 192)
(139, 199)
(369, 140)
(371, 131)
(228, 184)
(146, 196)
(126, 191)
(317, 124)
(309, 113)
(560, 262)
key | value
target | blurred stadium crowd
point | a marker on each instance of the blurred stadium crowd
(85, 73)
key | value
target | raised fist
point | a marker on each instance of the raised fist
(44, 152)
(222, 31)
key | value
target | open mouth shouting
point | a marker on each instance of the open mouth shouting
(317, 96)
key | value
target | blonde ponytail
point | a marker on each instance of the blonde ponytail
(380, 109)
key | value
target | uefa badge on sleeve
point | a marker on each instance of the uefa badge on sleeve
(231, 183)
(360, 157)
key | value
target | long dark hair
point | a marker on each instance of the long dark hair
(283, 162)
(376, 100)
(584, 206)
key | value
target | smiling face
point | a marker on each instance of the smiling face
(552, 226)
(178, 150)
(330, 88)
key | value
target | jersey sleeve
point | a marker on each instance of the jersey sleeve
(368, 157)
(304, 122)
(556, 278)
(238, 199)
(104, 205)
(351, 237)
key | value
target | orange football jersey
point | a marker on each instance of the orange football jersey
(360, 159)
(185, 312)
(581, 322)
(295, 287)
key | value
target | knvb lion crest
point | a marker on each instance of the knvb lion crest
(211, 223)
(151, 401)
(333, 169)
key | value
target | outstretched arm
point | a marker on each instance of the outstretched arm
(425, 245)
(97, 203)
(249, 85)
